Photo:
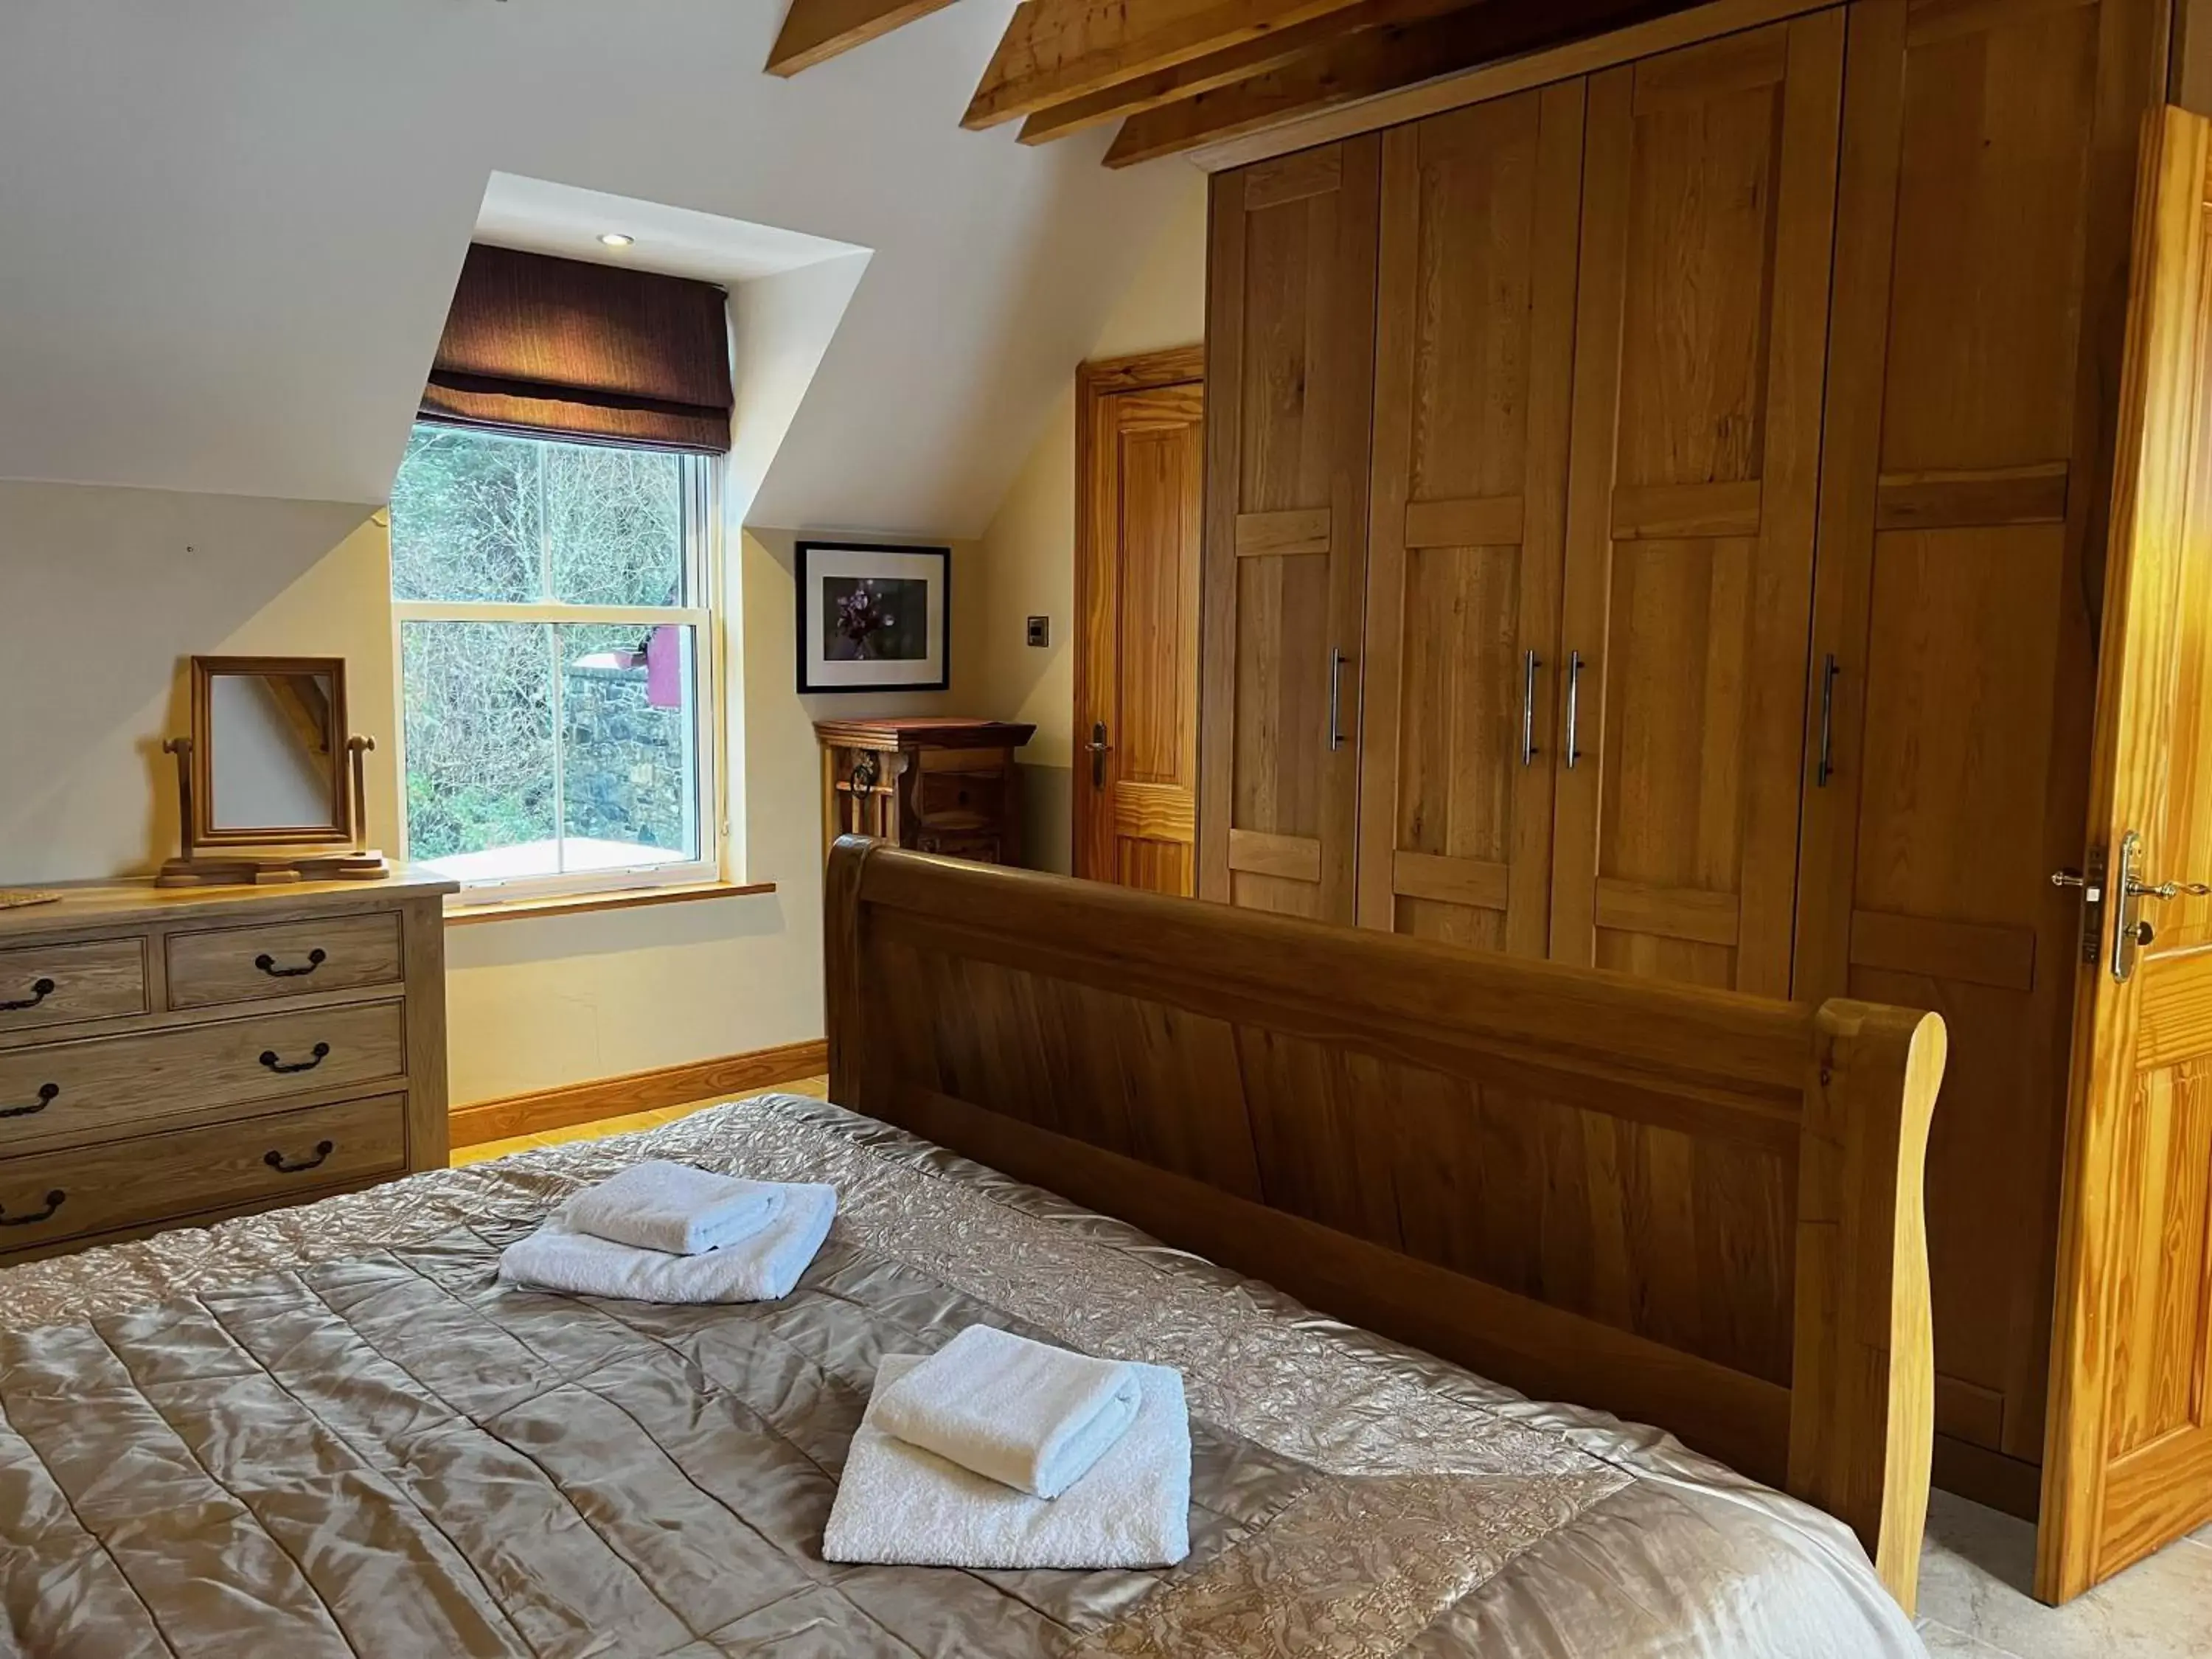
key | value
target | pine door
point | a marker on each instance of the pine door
(2129, 1463)
(1290, 363)
(1708, 202)
(1139, 453)
(1474, 367)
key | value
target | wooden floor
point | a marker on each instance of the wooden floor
(817, 1086)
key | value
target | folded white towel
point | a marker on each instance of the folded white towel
(659, 1206)
(1025, 1413)
(762, 1268)
(899, 1505)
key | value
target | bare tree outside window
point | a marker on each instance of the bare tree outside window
(553, 624)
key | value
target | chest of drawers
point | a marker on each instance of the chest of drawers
(174, 1056)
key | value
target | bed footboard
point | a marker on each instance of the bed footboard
(1692, 1208)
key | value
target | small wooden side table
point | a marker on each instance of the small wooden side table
(935, 785)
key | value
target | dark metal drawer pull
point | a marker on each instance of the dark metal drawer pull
(323, 1150)
(54, 1202)
(48, 1092)
(269, 1058)
(267, 964)
(40, 990)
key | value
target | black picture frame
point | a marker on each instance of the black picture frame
(820, 563)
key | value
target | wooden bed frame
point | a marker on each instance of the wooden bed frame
(1692, 1208)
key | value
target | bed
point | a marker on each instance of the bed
(1083, 1114)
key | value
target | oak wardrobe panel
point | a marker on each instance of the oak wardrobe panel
(1982, 248)
(1708, 201)
(1290, 356)
(1474, 364)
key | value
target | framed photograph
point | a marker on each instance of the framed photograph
(874, 618)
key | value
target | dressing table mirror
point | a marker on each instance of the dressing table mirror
(270, 783)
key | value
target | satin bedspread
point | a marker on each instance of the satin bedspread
(328, 1430)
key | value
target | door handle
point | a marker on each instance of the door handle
(1097, 746)
(1530, 662)
(2131, 932)
(1574, 705)
(1335, 698)
(1827, 768)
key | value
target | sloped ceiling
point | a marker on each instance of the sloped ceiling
(229, 229)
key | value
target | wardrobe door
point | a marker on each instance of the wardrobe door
(1981, 291)
(1708, 200)
(1474, 364)
(1290, 369)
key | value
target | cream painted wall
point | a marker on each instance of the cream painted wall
(104, 594)
(1029, 550)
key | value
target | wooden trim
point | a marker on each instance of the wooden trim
(1479, 86)
(815, 30)
(576, 904)
(1465, 521)
(1142, 371)
(2005, 495)
(1292, 858)
(1972, 952)
(1228, 1040)
(1686, 512)
(1284, 533)
(635, 1092)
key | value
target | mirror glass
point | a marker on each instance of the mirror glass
(274, 752)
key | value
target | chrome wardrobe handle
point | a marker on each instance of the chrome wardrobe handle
(1574, 706)
(1530, 662)
(1336, 699)
(1827, 768)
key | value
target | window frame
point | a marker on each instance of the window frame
(703, 556)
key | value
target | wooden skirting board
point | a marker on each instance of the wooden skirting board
(636, 1092)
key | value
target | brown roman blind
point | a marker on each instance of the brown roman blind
(560, 348)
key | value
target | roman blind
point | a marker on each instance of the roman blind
(560, 348)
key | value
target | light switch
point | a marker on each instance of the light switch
(1041, 630)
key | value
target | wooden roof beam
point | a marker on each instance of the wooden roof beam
(1224, 68)
(1057, 50)
(1370, 63)
(816, 30)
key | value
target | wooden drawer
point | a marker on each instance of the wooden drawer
(964, 800)
(979, 849)
(107, 1085)
(245, 964)
(53, 984)
(97, 1188)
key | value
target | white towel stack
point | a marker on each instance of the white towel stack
(1000, 1453)
(666, 1232)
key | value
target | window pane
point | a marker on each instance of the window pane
(629, 769)
(615, 518)
(467, 518)
(479, 715)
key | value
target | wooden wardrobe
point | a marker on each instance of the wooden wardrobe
(1656, 519)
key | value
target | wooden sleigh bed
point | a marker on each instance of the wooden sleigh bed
(1693, 1209)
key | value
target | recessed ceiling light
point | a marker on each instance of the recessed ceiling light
(616, 239)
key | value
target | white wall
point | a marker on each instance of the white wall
(1029, 547)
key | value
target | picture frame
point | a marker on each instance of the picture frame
(873, 617)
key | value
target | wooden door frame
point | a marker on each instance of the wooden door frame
(1095, 382)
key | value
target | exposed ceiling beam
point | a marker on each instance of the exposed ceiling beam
(816, 30)
(1057, 50)
(1370, 63)
(1224, 68)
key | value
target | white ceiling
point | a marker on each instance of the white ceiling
(229, 229)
